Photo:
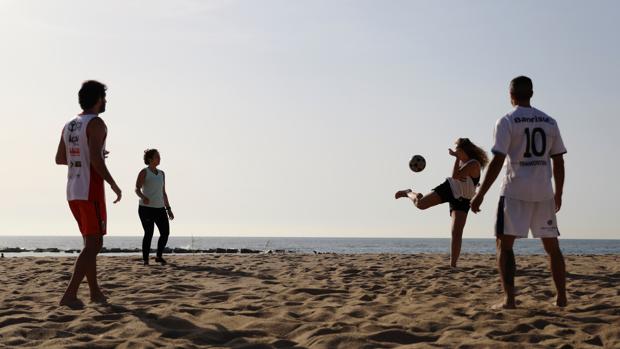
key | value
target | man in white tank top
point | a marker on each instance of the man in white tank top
(82, 149)
(530, 142)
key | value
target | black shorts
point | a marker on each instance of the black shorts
(445, 193)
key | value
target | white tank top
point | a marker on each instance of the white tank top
(78, 158)
(463, 188)
(153, 188)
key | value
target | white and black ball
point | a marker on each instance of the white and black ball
(417, 163)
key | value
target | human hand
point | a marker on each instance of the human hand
(105, 154)
(117, 191)
(170, 215)
(558, 202)
(146, 200)
(476, 201)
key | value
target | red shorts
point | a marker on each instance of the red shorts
(90, 216)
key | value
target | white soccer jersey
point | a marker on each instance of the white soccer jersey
(80, 178)
(528, 137)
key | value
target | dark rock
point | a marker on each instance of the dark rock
(12, 249)
(247, 250)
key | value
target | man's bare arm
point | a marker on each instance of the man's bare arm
(495, 167)
(61, 153)
(558, 178)
(96, 133)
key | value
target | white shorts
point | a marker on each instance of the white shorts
(517, 217)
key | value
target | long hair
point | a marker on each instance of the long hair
(473, 151)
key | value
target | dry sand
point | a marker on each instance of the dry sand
(310, 301)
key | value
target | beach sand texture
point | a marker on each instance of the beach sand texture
(310, 301)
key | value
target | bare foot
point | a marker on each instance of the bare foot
(101, 300)
(72, 303)
(560, 302)
(402, 194)
(503, 305)
(98, 297)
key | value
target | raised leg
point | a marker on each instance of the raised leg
(426, 201)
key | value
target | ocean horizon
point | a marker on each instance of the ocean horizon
(303, 245)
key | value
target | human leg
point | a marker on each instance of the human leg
(558, 268)
(85, 265)
(426, 201)
(459, 219)
(506, 265)
(164, 231)
(95, 242)
(148, 224)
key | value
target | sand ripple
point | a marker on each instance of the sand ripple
(310, 301)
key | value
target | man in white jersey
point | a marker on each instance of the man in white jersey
(530, 142)
(82, 149)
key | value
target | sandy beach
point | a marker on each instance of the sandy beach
(310, 301)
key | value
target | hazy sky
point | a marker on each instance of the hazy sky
(298, 118)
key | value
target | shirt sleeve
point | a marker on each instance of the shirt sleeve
(557, 148)
(501, 137)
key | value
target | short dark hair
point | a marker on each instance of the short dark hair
(90, 92)
(522, 88)
(149, 154)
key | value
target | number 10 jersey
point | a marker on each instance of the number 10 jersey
(529, 138)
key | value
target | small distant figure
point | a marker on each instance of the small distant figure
(82, 150)
(456, 190)
(154, 208)
(528, 141)
(1, 255)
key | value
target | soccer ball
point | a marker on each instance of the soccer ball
(417, 163)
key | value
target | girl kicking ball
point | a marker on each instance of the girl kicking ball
(456, 190)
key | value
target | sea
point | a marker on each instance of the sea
(306, 245)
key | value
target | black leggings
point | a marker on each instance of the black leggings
(149, 216)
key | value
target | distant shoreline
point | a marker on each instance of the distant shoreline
(291, 237)
(123, 245)
(167, 250)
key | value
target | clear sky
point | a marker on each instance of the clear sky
(298, 118)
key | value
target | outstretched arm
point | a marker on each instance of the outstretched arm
(558, 178)
(495, 167)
